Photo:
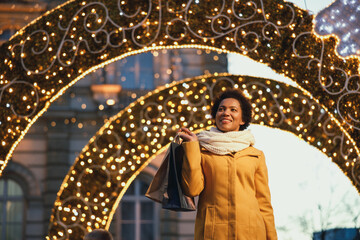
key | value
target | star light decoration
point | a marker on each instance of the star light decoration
(342, 19)
(48, 56)
(126, 144)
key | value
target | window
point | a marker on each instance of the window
(137, 216)
(11, 210)
(6, 34)
(134, 72)
(137, 72)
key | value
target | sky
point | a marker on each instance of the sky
(306, 187)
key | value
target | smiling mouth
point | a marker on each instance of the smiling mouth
(225, 120)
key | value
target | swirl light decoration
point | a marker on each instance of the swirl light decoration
(49, 55)
(125, 145)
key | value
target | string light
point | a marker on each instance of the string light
(340, 19)
(39, 63)
(106, 171)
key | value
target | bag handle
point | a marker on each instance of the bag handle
(177, 139)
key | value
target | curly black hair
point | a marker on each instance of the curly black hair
(245, 105)
(98, 234)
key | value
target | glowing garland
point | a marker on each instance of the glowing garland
(49, 55)
(126, 143)
(42, 60)
(340, 19)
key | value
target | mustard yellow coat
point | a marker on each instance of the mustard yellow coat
(234, 196)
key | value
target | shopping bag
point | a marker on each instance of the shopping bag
(165, 187)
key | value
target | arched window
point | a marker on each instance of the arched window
(11, 210)
(137, 216)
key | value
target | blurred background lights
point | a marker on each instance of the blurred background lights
(341, 18)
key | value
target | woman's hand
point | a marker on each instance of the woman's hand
(187, 135)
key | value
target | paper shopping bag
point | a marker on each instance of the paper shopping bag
(165, 187)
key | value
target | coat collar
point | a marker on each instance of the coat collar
(249, 151)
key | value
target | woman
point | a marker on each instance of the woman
(229, 175)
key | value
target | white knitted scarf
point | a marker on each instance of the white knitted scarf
(222, 143)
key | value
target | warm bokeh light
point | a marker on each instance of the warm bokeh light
(128, 141)
(52, 53)
(49, 55)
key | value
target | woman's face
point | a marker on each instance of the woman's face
(229, 115)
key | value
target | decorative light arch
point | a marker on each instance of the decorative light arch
(126, 144)
(53, 52)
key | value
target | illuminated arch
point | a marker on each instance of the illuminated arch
(49, 55)
(127, 142)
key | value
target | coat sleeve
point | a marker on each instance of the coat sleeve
(192, 180)
(264, 198)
